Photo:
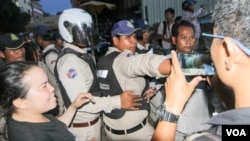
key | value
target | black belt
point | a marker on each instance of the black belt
(86, 124)
(127, 131)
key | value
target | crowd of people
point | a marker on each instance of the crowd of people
(52, 88)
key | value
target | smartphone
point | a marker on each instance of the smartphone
(194, 64)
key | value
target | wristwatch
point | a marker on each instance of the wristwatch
(163, 114)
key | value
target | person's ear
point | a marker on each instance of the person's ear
(2, 54)
(230, 52)
(20, 103)
(173, 40)
(115, 40)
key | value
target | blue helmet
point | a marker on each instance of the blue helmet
(187, 3)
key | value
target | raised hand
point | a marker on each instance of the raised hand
(149, 93)
(81, 99)
(178, 90)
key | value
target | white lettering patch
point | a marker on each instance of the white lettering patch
(104, 86)
(102, 73)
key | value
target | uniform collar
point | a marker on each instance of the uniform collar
(74, 47)
(51, 46)
(141, 47)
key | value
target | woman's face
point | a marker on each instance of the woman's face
(40, 97)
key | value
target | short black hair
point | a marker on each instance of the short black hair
(12, 85)
(177, 25)
(231, 18)
(186, 5)
(170, 10)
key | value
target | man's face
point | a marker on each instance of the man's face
(146, 36)
(14, 55)
(192, 8)
(59, 43)
(128, 42)
(169, 16)
(38, 40)
(185, 40)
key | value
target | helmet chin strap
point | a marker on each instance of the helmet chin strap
(88, 40)
(80, 45)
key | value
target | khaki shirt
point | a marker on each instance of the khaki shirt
(51, 58)
(141, 47)
(130, 70)
(76, 77)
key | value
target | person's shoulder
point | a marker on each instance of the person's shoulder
(203, 136)
(208, 135)
(124, 56)
(49, 47)
(128, 53)
(67, 57)
(41, 64)
(160, 24)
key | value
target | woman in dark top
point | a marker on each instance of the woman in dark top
(25, 96)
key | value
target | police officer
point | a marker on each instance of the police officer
(58, 41)
(121, 69)
(44, 39)
(142, 36)
(143, 46)
(76, 73)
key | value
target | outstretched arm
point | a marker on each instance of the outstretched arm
(165, 67)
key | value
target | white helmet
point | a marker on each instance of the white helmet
(76, 26)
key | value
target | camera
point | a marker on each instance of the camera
(194, 64)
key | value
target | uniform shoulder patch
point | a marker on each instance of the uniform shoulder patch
(53, 61)
(71, 73)
(129, 54)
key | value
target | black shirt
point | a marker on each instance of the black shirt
(54, 130)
